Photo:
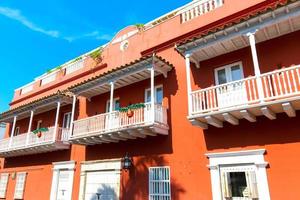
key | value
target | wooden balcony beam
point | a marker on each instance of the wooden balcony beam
(268, 113)
(214, 121)
(288, 109)
(230, 119)
(248, 116)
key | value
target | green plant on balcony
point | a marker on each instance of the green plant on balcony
(129, 109)
(140, 27)
(38, 132)
(97, 54)
(54, 69)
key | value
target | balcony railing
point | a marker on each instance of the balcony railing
(116, 122)
(29, 143)
(198, 8)
(278, 85)
(74, 66)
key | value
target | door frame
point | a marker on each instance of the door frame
(227, 68)
(98, 165)
(62, 166)
(69, 119)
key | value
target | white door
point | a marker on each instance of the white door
(63, 187)
(158, 98)
(230, 94)
(112, 121)
(102, 185)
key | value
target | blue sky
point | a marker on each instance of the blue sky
(38, 35)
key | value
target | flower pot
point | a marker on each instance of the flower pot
(130, 113)
(39, 134)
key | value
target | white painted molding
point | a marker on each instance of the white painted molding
(111, 164)
(236, 153)
(64, 165)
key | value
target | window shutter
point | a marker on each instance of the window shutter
(252, 184)
(20, 185)
(3, 185)
(225, 182)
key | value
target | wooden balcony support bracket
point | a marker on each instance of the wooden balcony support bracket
(214, 121)
(230, 119)
(248, 116)
(135, 133)
(288, 109)
(115, 136)
(194, 60)
(268, 113)
(108, 139)
(196, 122)
(146, 131)
(126, 135)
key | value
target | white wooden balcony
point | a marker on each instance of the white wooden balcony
(30, 143)
(198, 8)
(117, 126)
(268, 94)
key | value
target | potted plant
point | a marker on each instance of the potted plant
(97, 55)
(130, 109)
(140, 27)
(39, 132)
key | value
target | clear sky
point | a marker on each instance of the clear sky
(39, 35)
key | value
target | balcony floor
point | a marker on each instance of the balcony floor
(133, 132)
(249, 112)
(36, 149)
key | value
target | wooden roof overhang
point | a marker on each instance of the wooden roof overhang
(267, 23)
(122, 76)
(40, 105)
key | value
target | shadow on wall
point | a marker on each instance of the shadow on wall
(37, 159)
(104, 193)
(260, 133)
(136, 186)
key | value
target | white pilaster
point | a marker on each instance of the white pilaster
(12, 130)
(251, 36)
(56, 121)
(152, 93)
(72, 115)
(188, 81)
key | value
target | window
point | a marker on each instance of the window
(67, 120)
(20, 185)
(159, 183)
(239, 181)
(158, 94)
(116, 104)
(228, 73)
(17, 131)
(3, 185)
(239, 175)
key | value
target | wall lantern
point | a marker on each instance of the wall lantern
(127, 162)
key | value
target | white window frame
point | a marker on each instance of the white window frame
(69, 114)
(114, 104)
(251, 157)
(19, 192)
(153, 196)
(228, 72)
(155, 92)
(57, 168)
(3, 184)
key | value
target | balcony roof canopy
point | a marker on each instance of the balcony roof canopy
(133, 72)
(279, 18)
(39, 106)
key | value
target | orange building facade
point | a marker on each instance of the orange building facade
(201, 103)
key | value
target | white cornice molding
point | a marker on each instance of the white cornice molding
(236, 153)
